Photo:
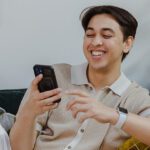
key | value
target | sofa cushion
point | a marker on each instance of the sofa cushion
(10, 99)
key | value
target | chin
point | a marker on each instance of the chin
(98, 66)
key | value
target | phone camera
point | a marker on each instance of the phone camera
(40, 70)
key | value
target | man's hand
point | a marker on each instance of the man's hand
(38, 103)
(90, 108)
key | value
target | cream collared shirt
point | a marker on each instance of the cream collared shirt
(67, 133)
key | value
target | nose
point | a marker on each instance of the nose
(97, 41)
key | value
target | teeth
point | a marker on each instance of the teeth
(97, 53)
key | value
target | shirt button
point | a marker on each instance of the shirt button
(82, 130)
(90, 88)
(69, 147)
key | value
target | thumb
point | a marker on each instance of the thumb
(35, 82)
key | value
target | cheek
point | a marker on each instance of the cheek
(87, 41)
(85, 48)
(114, 45)
(85, 44)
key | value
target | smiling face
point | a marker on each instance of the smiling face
(103, 43)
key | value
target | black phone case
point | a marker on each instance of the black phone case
(48, 81)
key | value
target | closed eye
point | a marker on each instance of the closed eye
(107, 36)
(90, 35)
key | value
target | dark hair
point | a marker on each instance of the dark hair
(126, 20)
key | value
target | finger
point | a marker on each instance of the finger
(77, 93)
(77, 109)
(84, 117)
(79, 100)
(51, 100)
(50, 93)
(35, 82)
(49, 107)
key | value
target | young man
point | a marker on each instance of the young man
(102, 107)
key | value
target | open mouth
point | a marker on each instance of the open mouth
(97, 53)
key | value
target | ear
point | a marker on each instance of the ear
(128, 44)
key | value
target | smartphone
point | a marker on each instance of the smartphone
(48, 81)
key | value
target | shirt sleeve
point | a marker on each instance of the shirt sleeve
(144, 106)
(145, 113)
(139, 101)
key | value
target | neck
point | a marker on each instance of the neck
(101, 78)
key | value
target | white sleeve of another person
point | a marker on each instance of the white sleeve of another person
(4, 140)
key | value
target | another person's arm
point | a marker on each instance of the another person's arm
(23, 133)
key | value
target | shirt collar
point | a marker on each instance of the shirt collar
(79, 77)
(120, 85)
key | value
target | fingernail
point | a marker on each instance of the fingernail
(40, 75)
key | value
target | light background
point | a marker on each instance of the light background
(49, 31)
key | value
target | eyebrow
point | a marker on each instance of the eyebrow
(89, 28)
(103, 29)
(108, 29)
